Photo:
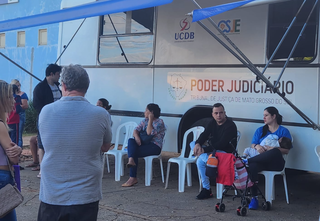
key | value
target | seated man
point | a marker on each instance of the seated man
(219, 132)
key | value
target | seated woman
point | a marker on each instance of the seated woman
(102, 102)
(153, 127)
(270, 158)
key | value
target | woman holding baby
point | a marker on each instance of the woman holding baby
(270, 157)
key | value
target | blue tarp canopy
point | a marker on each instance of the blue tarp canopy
(200, 14)
(96, 8)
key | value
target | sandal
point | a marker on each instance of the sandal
(33, 164)
(36, 168)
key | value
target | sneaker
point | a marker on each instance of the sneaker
(245, 161)
(204, 194)
(254, 204)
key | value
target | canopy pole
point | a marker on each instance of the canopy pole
(259, 74)
(19, 66)
(283, 37)
(295, 45)
(228, 39)
(65, 48)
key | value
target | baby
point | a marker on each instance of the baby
(272, 141)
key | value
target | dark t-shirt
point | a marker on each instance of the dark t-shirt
(219, 136)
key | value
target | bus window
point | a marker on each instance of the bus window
(280, 17)
(127, 37)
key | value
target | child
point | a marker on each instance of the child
(272, 141)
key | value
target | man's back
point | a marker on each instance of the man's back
(73, 132)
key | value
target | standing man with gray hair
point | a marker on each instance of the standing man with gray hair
(74, 133)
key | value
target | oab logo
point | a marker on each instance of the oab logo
(185, 34)
(177, 86)
(230, 26)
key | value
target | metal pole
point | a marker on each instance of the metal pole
(282, 39)
(19, 66)
(295, 45)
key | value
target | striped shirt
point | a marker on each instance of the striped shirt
(72, 131)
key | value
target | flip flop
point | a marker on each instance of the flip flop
(131, 165)
(33, 165)
(128, 185)
(36, 168)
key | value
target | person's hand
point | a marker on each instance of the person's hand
(13, 151)
(268, 147)
(259, 148)
(138, 140)
(197, 150)
(151, 117)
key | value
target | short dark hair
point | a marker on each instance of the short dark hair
(105, 103)
(285, 143)
(52, 68)
(155, 109)
(218, 105)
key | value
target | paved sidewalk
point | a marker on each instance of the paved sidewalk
(156, 203)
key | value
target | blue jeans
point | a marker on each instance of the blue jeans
(201, 164)
(14, 132)
(6, 178)
(136, 151)
(21, 127)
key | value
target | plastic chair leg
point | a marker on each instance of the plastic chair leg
(107, 159)
(148, 170)
(269, 186)
(219, 189)
(200, 183)
(189, 178)
(161, 167)
(285, 187)
(182, 177)
(167, 177)
(118, 167)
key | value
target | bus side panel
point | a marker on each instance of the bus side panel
(179, 41)
(125, 89)
(177, 90)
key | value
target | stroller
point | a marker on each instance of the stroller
(233, 174)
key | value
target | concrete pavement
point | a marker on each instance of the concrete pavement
(156, 203)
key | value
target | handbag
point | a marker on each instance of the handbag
(144, 137)
(10, 196)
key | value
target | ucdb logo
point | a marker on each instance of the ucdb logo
(185, 34)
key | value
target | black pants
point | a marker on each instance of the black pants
(271, 160)
(84, 212)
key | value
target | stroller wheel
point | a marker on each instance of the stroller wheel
(222, 207)
(243, 211)
(266, 206)
(238, 211)
(218, 207)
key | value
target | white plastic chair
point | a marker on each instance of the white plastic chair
(317, 150)
(148, 166)
(219, 186)
(269, 182)
(183, 162)
(118, 154)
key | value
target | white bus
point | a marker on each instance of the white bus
(158, 55)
